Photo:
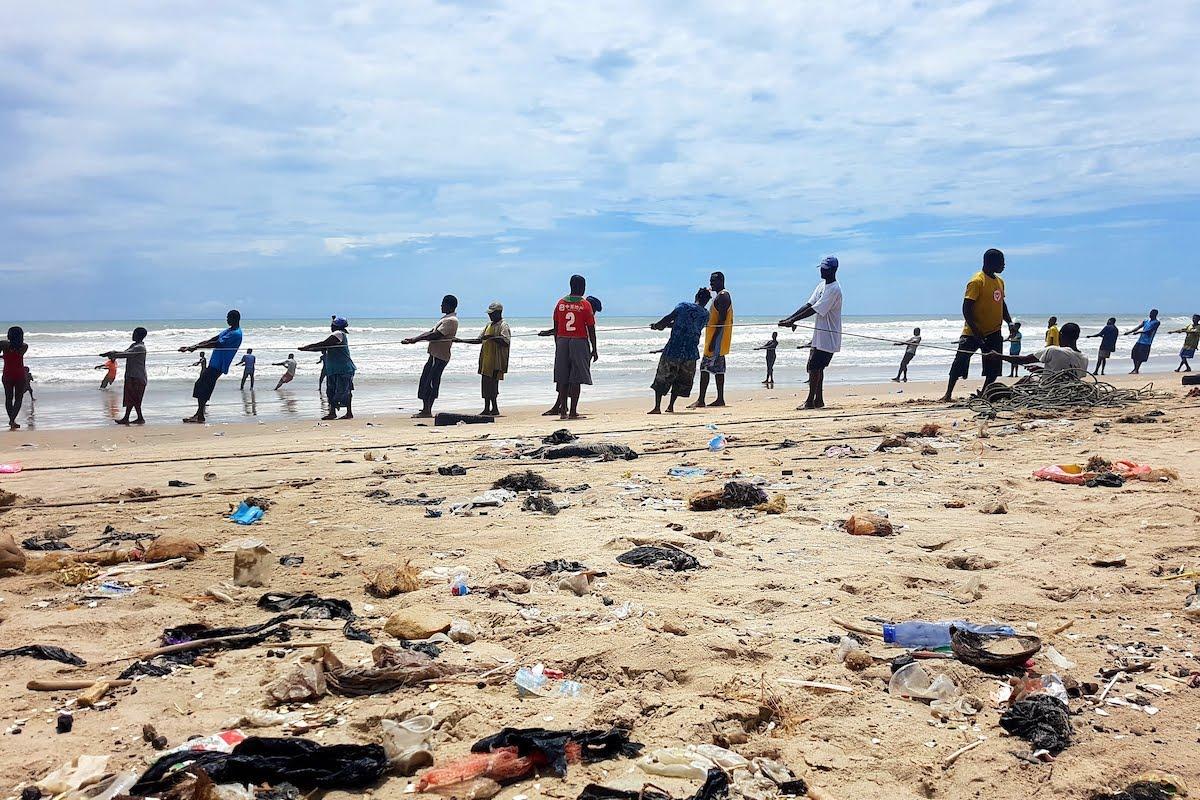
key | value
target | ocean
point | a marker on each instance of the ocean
(62, 358)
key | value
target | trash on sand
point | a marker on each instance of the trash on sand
(390, 581)
(843, 451)
(304, 763)
(916, 633)
(914, 682)
(993, 652)
(461, 632)
(45, 652)
(10, 469)
(12, 558)
(391, 669)
(1058, 659)
(666, 557)
(445, 418)
(525, 481)
(736, 494)
(717, 443)
(715, 787)
(542, 682)
(1041, 720)
(603, 450)
(578, 582)
(1191, 604)
(459, 586)
(452, 470)
(1149, 786)
(1095, 469)
(47, 541)
(514, 754)
(78, 773)
(551, 567)
(687, 472)
(408, 744)
(492, 498)
(251, 565)
(540, 503)
(676, 762)
(560, 436)
(291, 561)
(868, 524)
(246, 514)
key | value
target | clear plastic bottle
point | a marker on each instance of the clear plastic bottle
(935, 634)
(717, 443)
(531, 680)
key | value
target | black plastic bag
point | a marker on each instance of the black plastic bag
(444, 418)
(1142, 790)
(527, 481)
(313, 607)
(45, 652)
(1041, 720)
(650, 555)
(301, 762)
(550, 567)
(453, 469)
(43, 542)
(560, 436)
(586, 451)
(550, 747)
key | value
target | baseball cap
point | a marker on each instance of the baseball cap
(828, 262)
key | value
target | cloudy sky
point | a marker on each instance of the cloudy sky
(165, 161)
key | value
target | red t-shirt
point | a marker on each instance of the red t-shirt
(572, 317)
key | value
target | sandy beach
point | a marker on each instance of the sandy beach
(710, 655)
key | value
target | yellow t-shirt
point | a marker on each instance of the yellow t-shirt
(713, 326)
(988, 294)
(1052, 336)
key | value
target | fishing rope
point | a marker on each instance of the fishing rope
(1056, 393)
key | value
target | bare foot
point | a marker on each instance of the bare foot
(575, 416)
(329, 417)
(697, 404)
(562, 417)
(552, 412)
(12, 426)
(347, 415)
(121, 421)
(670, 410)
(654, 411)
(422, 415)
(194, 420)
(139, 421)
(718, 404)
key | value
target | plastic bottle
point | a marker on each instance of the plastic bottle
(717, 443)
(935, 634)
(458, 587)
(530, 680)
(913, 681)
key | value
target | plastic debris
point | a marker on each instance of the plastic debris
(1041, 720)
(666, 557)
(45, 652)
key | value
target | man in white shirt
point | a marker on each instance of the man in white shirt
(440, 339)
(1064, 357)
(826, 305)
(289, 370)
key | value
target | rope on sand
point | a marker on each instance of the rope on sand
(1058, 393)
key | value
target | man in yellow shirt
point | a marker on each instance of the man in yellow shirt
(717, 337)
(1052, 332)
(984, 309)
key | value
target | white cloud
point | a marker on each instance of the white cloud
(508, 251)
(330, 127)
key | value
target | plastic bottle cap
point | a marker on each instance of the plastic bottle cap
(889, 634)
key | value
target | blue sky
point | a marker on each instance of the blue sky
(163, 161)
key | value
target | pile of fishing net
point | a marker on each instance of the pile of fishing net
(1061, 392)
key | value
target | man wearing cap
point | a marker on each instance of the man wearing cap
(495, 342)
(339, 368)
(224, 346)
(984, 310)
(440, 338)
(826, 305)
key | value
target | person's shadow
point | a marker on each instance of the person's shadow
(249, 403)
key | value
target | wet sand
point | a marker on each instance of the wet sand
(700, 656)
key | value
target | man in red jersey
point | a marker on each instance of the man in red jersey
(574, 347)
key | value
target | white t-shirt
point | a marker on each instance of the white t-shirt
(826, 300)
(289, 366)
(1061, 359)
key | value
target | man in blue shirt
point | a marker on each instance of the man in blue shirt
(1141, 350)
(224, 347)
(677, 365)
(1108, 344)
(248, 362)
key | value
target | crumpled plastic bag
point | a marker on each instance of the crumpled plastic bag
(1041, 720)
(736, 494)
(78, 773)
(668, 557)
(166, 547)
(46, 653)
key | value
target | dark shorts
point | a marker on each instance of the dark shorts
(713, 365)
(572, 361)
(1141, 352)
(907, 358)
(818, 359)
(489, 385)
(205, 384)
(1187, 352)
(339, 389)
(135, 390)
(675, 376)
(1105, 353)
(967, 345)
(431, 378)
